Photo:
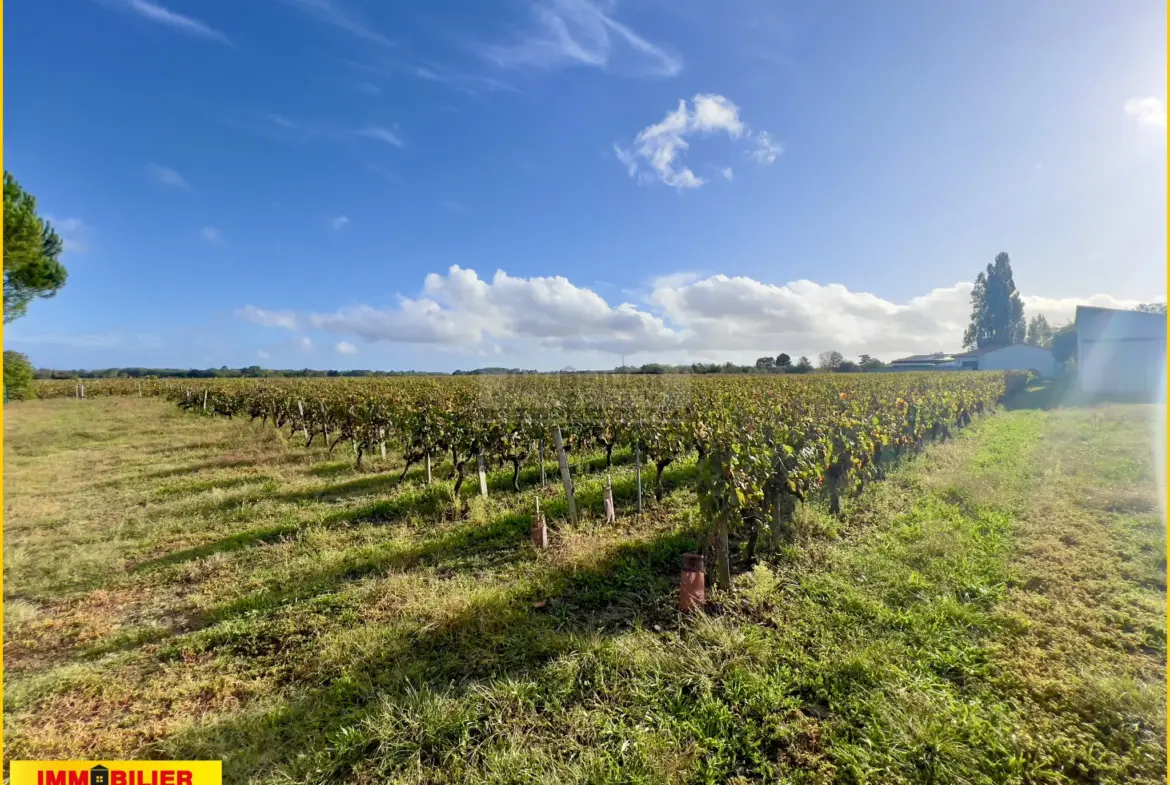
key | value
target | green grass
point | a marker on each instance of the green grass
(182, 587)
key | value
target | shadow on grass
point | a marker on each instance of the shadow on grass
(509, 634)
(1053, 394)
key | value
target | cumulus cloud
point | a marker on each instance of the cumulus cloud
(254, 315)
(581, 32)
(345, 348)
(658, 148)
(682, 316)
(1148, 111)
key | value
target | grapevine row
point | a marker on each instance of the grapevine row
(763, 442)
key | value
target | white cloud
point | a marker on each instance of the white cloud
(263, 355)
(66, 225)
(660, 146)
(580, 32)
(727, 173)
(166, 176)
(381, 135)
(185, 24)
(333, 14)
(1148, 111)
(211, 235)
(683, 316)
(339, 222)
(766, 150)
(345, 348)
(284, 319)
(305, 342)
(68, 230)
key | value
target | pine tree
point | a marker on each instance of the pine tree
(997, 312)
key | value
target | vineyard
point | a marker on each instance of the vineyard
(206, 562)
(762, 443)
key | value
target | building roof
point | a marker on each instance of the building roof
(1112, 324)
(990, 349)
(925, 359)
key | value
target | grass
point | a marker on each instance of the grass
(187, 588)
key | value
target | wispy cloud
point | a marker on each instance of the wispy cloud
(659, 147)
(68, 230)
(335, 15)
(339, 222)
(166, 176)
(453, 206)
(305, 342)
(211, 235)
(343, 347)
(471, 84)
(381, 135)
(185, 24)
(766, 150)
(579, 32)
(1148, 111)
(334, 133)
(263, 355)
(283, 319)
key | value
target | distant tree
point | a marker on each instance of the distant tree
(783, 360)
(18, 377)
(867, 363)
(847, 366)
(1039, 332)
(652, 368)
(831, 360)
(1064, 342)
(31, 248)
(997, 312)
(1151, 308)
(765, 363)
(803, 365)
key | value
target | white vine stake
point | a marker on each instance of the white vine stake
(610, 514)
(482, 477)
(304, 425)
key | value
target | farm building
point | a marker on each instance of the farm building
(1016, 357)
(939, 361)
(1120, 352)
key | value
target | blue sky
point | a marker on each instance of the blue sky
(339, 183)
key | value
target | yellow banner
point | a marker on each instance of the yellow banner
(116, 772)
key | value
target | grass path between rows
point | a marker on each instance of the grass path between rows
(189, 588)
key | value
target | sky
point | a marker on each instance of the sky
(548, 183)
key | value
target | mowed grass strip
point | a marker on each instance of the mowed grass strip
(185, 587)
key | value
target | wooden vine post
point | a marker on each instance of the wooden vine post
(482, 476)
(428, 464)
(539, 529)
(638, 473)
(205, 391)
(563, 459)
(543, 482)
(324, 424)
(304, 425)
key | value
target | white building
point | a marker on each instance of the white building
(1016, 357)
(1121, 352)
